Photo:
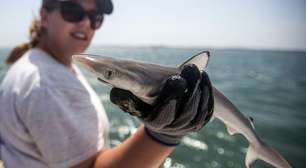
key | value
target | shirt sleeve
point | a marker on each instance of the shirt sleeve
(64, 125)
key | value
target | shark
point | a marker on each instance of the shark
(145, 80)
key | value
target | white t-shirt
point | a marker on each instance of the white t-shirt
(49, 116)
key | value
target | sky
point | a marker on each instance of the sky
(258, 24)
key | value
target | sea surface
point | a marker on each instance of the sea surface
(269, 86)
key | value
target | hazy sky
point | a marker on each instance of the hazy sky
(212, 23)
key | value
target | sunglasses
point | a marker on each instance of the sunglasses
(74, 13)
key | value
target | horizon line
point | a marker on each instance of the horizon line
(188, 47)
(198, 46)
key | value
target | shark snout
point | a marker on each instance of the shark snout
(78, 58)
(85, 61)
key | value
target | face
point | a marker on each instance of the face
(64, 38)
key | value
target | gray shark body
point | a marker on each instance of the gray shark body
(145, 80)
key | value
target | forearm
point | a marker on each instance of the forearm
(138, 151)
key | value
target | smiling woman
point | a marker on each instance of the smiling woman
(54, 97)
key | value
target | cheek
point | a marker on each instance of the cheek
(91, 34)
(57, 29)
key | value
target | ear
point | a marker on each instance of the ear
(43, 17)
(200, 60)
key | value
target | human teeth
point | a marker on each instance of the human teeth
(79, 35)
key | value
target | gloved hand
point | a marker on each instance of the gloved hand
(185, 104)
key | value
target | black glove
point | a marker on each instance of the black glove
(185, 104)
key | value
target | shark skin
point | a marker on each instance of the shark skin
(145, 80)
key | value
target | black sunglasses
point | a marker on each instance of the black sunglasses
(74, 12)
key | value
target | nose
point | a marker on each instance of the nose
(84, 22)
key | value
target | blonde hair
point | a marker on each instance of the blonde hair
(36, 32)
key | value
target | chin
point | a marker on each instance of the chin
(83, 46)
(79, 49)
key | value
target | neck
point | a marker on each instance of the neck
(61, 57)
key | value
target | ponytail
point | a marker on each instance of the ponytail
(36, 32)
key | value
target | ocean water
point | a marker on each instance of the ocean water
(269, 86)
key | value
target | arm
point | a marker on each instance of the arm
(138, 151)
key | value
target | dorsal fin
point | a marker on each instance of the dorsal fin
(200, 60)
(251, 119)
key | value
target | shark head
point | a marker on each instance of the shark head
(143, 79)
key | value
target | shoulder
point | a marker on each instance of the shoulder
(50, 71)
(36, 69)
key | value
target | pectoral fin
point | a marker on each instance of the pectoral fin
(231, 130)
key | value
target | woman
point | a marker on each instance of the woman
(51, 117)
